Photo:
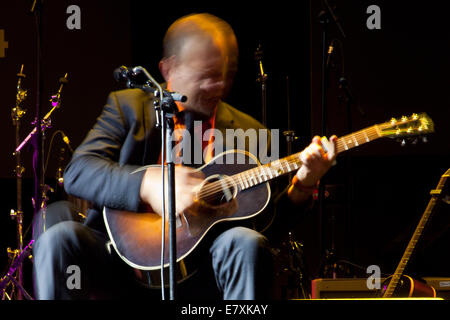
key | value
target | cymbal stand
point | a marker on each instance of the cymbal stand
(17, 280)
(42, 127)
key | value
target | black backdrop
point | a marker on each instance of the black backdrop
(381, 188)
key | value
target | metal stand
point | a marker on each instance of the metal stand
(45, 123)
(262, 78)
(165, 108)
(289, 134)
(325, 16)
(41, 127)
(38, 162)
(297, 267)
(10, 279)
(17, 280)
(169, 127)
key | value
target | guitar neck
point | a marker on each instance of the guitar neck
(435, 196)
(277, 168)
(358, 138)
(409, 250)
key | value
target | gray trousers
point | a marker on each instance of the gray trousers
(237, 265)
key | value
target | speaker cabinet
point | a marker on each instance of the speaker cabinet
(357, 288)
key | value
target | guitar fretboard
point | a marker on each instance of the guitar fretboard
(275, 169)
(358, 138)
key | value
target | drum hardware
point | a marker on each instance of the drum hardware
(14, 278)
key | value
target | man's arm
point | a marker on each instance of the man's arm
(94, 172)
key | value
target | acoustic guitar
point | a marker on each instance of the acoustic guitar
(401, 285)
(236, 188)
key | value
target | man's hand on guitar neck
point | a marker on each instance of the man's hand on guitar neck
(186, 182)
(316, 159)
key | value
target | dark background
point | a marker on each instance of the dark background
(378, 191)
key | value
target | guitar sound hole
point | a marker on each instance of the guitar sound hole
(217, 190)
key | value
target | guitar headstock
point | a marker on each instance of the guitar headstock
(407, 127)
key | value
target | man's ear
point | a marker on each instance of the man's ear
(165, 67)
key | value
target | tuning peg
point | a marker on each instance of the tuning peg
(424, 139)
(403, 143)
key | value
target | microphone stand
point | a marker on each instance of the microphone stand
(289, 133)
(165, 108)
(324, 19)
(168, 127)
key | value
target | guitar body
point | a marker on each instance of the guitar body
(136, 236)
(408, 287)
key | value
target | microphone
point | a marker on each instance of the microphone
(135, 78)
(66, 141)
(176, 96)
(122, 73)
(132, 76)
(59, 170)
(60, 176)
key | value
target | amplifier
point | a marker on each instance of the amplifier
(357, 288)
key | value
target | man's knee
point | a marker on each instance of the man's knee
(244, 239)
(61, 236)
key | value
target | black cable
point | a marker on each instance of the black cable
(50, 147)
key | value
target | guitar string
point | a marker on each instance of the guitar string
(258, 174)
(215, 188)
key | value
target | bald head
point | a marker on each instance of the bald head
(202, 28)
(199, 60)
